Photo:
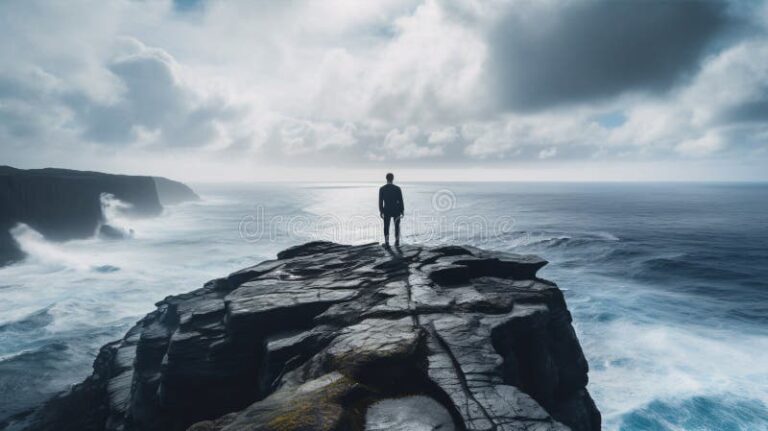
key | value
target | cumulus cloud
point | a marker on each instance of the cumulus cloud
(298, 137)
(702, 146)
(115, 91)
(443, 136)
(150, 101)
(351, 84)
(548, 153)
(409, 143)
(527, 138)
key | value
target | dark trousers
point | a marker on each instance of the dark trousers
(387, 218)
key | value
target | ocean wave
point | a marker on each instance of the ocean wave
(683, 266)
(37, 248)
(29, 376)
(34, 321)
(720, 412)
(53, 257)
(634, 366)
(24, 358)
(554, 240)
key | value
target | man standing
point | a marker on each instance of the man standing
(391, 206)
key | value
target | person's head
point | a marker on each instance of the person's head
(390, 177)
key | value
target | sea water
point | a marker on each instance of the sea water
(667, 283)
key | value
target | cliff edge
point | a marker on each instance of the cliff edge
(64, 204)
(337, 337)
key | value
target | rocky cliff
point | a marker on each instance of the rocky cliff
(64, 204)
(173, 192)
(335, 337)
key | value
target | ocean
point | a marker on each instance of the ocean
(667, 282)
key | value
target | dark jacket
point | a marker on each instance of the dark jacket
(391, 200)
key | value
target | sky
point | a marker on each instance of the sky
(285, 90)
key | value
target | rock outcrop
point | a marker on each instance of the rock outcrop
(336, 337)
(64, 204)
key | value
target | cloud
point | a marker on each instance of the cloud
(717, 113)
(443, 136)
(733, 87)
(151, 101)
(569, 52)
(702, 146)
(420, 82)
(67, 92)
(409, 143)
(548, 153)
(533, 137)
(300, 137)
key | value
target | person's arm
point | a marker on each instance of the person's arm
(381, 202)
(402, 202)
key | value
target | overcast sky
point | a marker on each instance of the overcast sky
(346, 90)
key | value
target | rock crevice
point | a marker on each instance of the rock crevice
(335, 337)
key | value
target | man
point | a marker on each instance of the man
(391, 207)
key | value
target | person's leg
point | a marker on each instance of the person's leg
(397, 230)
(386, 228)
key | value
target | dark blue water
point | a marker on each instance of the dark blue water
(668, 283)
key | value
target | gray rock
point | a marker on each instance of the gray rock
(335, 337)
(107, 231)
(411, 413)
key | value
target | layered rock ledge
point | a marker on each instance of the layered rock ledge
(337, 337)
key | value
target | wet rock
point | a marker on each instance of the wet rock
(410, 413)
(335, 337)
(107, 231)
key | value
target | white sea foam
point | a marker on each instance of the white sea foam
(642, 350)
(113, 209)
(634, 364)
(113, 212)
(39, 250)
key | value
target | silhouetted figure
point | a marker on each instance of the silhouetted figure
(391, 207)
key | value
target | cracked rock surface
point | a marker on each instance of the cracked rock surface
(337, 337)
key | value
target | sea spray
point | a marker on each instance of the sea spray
(40, 250)
(114, 224)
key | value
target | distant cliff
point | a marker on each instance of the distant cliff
(334, 337)
(64, 204)
(173, 192)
